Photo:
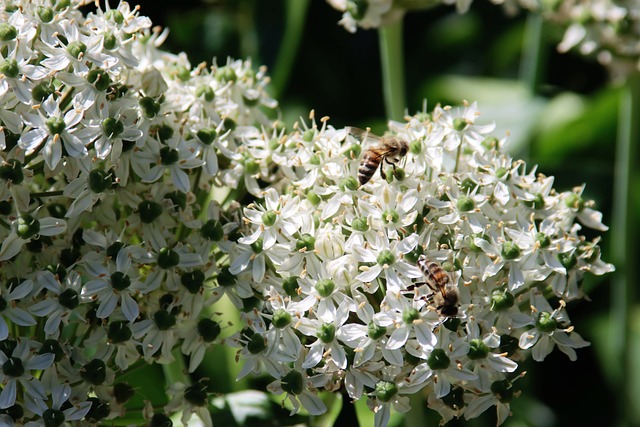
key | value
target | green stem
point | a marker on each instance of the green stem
(416, 417)
(532, 62)
(176, 371)
(622, 249)
(296, 12)
(392, 58)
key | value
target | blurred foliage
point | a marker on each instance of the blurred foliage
(568, 128)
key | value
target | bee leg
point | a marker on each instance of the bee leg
(382, 173)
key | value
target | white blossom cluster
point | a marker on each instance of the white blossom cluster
(605, 29)
(334, 265)
(109, 155)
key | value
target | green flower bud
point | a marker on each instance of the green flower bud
(292, 383)
(208, 329)
(42, 91)
(503, 389)
(13, 367)
(568, 260)
(196, 394)
(212, 230)
(465, 204)
(94, 372)
(46, 14)
(112, 128)
(150, 108)
(546, 323)
(415, 147)
(109, 41)
(501, 300)
(123, 392)
(53, 417)
(119, 332)
(325, 287)
(375, 331)
(169, 156)
(98, 411)
(281, 318)
(360, 224)
(459, 124)
(11, 171)
(7, 32)
(510, 250)
(226, 74)
(206, 92)
(349, 183)
(390, 216)
(455, 398)
(385, 390)
(10, 68)
(55, 125)
(149, 211)
(269, 218)
(327, 332)
(490, 142)
(69, 299)
(99, 79)
(574, 201)
(193, 281)
(385, 257)
(207, 135)
(290, 286)
(353, 152)
(77, 49)
(410, 315)
(308, 135)
(478, 349)
(120, 281)
(168, 258)
(256, 344)
(438, 359)
(164, 320)
(100, 181)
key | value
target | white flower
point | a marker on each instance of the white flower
(17, 368)
(53, 128)
(551, 328)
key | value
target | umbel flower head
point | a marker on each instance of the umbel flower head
(344, 300)
(109, 152)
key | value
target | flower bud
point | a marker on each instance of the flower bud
(94, 372)
(438, 359)
(330, 245)
(385, 390)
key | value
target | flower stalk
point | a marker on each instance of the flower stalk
(392, 61)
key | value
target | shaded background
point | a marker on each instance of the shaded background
(568, 128)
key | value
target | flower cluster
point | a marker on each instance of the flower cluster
(109, 154)
(343, 301)
(605, 29)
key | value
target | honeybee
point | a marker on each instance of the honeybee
(444, 294)
(389, 149)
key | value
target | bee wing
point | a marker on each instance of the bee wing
(363, 135)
